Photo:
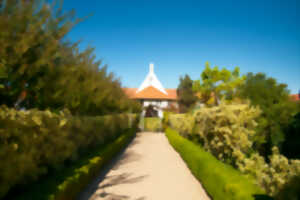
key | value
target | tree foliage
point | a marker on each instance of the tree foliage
(272, 176)
(41, 69)
(228, 132)
(217, 84)
(186, 96)
(277, 108)
(290, 146)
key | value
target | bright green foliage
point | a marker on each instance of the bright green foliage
(276, 106)
(272, 176)
(186, 96)
(152, 124)
(226, 130)
(33, 141)
(183, 123)
(221, 181)
(217, 84)
(40, 69)
(67, 183)
(165, 120)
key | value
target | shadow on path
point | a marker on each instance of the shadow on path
(96, 189)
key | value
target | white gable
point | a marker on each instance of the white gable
(152, 80)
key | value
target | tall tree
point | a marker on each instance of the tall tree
(40, 69)
(217, 84)
(277, 108)
(30, 37)
(186, 96)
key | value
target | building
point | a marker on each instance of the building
(295, 97)
(155, 98)
(152, 95)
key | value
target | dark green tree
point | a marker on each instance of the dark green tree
(186, 96)
(277, 109)
(40, 68)
(290, 146)
(31, 34)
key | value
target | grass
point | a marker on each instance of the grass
(69, 182)
(153, 124)
(221, 181)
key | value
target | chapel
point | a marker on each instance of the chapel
(152, 95)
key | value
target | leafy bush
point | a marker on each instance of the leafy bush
(291, 190)
(277, 109)
(165, 120)
(32, 142)
(290, 146)
(221, 181)
(183, 123)
(67, 183)
(152, 124)
(272, 176)
(226, 130)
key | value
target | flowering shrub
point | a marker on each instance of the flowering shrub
(226, 130)
(270, 176)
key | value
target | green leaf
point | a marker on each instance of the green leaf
(3, 73)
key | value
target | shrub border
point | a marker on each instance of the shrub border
(219, 188)
(148, 124)
(80, 174)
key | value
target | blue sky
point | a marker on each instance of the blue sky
(180, 36)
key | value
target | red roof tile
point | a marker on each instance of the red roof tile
(130, 92)
(295, 97)
(151, 93)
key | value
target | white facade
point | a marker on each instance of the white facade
(158, 104)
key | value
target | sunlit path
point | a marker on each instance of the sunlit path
(148, 169)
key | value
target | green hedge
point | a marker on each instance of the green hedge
(220, 180)
(183, 123)
(152, 124)
(34, 142)
(69, 182)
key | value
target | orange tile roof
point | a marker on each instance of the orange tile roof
(151, 93)
(130, 92)
(172, 93)
(295, 97)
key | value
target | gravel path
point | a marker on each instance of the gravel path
(148, 169)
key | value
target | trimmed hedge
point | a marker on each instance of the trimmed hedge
(153, 124)
(68, 183)
(220, 180)
(34, 142)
